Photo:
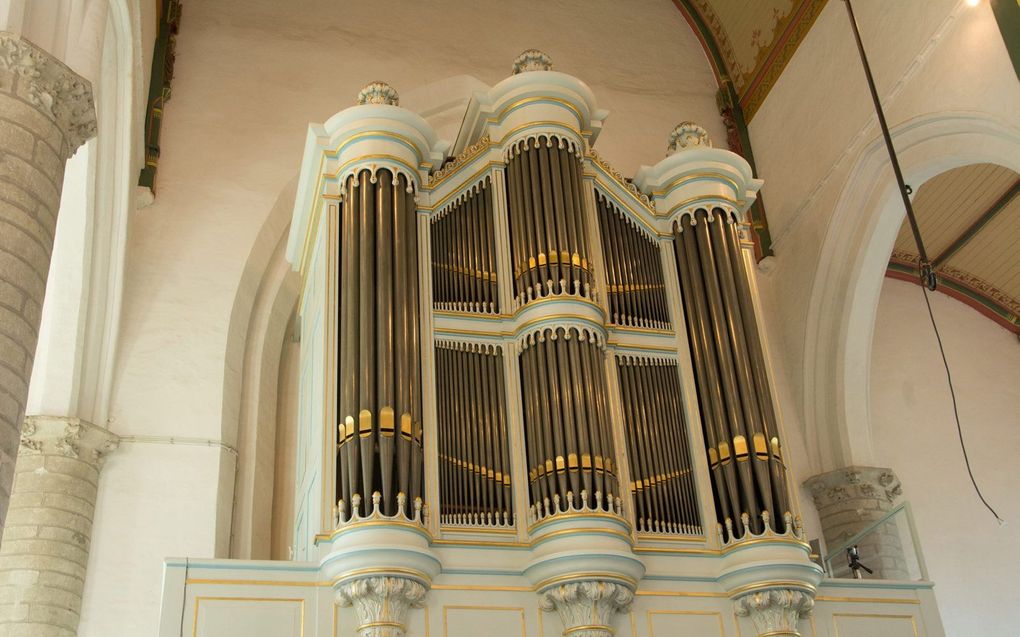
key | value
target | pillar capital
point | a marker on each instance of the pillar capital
(852, 499)
(68, 437)
(382, 603)
(37, 77)
(852, 483)
(775, 612)
(587, 608)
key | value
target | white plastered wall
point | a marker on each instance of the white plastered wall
(249, 77)
(972, 560)
(951, 98)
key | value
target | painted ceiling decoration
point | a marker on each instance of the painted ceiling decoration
(750, 43)
(970, 220)
(748, 46)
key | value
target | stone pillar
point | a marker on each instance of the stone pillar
(851, 499)
(46, 113)
(46, 541)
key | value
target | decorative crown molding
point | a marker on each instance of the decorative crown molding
(587, 608)
(378, 93)
(532, 60)
(775, 612)
(382, 603)
(69, 437)
(50, 86)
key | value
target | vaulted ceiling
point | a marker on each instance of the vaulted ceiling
(969, 219)
(749, 43)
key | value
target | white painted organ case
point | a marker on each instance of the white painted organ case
(535, 400)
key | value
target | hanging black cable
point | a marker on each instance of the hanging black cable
(927, 274)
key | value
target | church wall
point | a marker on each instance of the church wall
(972, 559)
(812, 129)
(809, 138)
(249, 76)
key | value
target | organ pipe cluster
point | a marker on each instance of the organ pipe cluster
(662, 484)
(566, 417)
(739, 421)
(637, 292)
(464, 254)
(379, 390)
(549, 237)
(474, 461)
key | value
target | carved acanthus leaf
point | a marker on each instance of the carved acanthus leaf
(587, 608)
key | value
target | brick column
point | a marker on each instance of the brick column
(46, 113)
(851, 499)
(46, 541)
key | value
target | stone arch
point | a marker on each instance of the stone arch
(264, 303)
(854, 256)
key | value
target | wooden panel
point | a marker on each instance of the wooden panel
(248, 617)
(948, 203)
(994, 254)
(873, 625)
(492, 621)
(665, 623)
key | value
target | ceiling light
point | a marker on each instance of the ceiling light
(973, 3)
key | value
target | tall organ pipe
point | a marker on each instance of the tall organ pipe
(550, 246)
(464, 253)
(472, 435)
(379, 356)
(637, 295)
(663, 484)
(567, 433)
(737, 412)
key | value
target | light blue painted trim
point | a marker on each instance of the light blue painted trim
(677, 578)
(832, 582)
(241, 567)
(738, 548)
(353, 530)
(462, 547)
(581, 125)
(814, 568)
(473, 571)
(585, 532)
(371, 549)
(335, 153)
(584, 556)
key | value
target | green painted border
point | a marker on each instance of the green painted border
(727, 98)
(1007, 15)
(961, 292)
(159, 87)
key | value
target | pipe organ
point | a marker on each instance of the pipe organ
(534, 355)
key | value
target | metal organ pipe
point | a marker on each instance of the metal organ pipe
(637, 294)
(378, 342)
(566, 424)
(472, 435)
(463, 253)
(546, 222)
(739, 420)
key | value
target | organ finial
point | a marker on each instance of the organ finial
(532, 60)
(378, 93)
(687, 135)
